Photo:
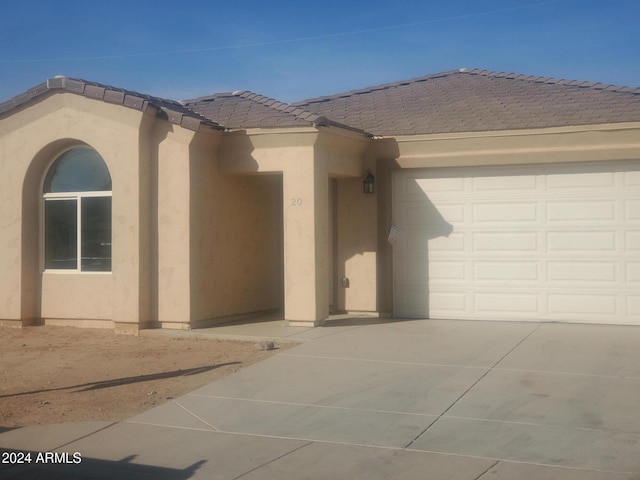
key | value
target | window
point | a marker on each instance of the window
(77, 213)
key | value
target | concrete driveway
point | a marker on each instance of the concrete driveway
(421, 399)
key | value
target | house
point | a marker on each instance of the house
(495, 196)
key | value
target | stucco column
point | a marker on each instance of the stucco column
(174, 229)
(306, 248)
(131, 234)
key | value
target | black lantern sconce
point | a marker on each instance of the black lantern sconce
(367, 183)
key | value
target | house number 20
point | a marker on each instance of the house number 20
(296, 202)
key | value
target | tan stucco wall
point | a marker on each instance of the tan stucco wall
(237, 257)
(357, 246)
(208, 225)
(189, 243)
(172, 282)
(304, 209)
(306, 158)
(237, 244)
(29, 140)
(549, 145)
(219, 235)
(79, 292)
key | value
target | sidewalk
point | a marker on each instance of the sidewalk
(404, 400)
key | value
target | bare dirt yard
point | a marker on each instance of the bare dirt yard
(64, 374)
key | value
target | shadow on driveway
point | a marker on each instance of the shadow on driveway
(71, 465)
(83, 387)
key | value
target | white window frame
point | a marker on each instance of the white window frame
(77, 196)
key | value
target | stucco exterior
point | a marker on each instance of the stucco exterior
(30, 141)
(205, 228)
(211, 224)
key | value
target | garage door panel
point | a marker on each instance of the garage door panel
(455, 242)
(448, 304)
(500, 212)
(633, 307)
(452, 214)
(507, 304)
(574, 212)
(518, 242)
(633, 272)
(527, 242)
(434, 185)
(499, 271)
(412, 301)
(632, 241)
(580, 181)
(562, 271)
(586, 241)
(632, 179)
(449, 270)
(501, 183)
(417, 270)
(426, 215)
(632, 210)
(582, 304)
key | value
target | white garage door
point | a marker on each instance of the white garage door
(518, 243)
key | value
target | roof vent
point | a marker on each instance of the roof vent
(60, 76)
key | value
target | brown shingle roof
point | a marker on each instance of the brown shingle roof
(170, 110)
(477, 100)
(456, 101)
(239, 110)
(245, 109)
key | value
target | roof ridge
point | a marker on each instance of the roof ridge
(170, 110)
(473, 71)
(278, 105)
(292, 109)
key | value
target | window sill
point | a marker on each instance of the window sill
(73, 272)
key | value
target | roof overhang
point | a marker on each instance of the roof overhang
(274, 150)
(603, 142)
(168, 110)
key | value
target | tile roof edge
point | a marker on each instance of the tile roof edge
(553, 80)
(472, 71)
(297, 112)
(170, 110)
(383, 86)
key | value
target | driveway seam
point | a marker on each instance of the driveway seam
(391, 362)
(487, 470)
(85, 436)
(313, 405)
(196, 416)
(473, 385)
(455, 365)
(273, 460)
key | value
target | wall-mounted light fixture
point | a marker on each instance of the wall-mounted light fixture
(368, 182)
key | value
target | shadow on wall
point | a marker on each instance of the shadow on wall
(236, 245)
(419, 222)
(73, 465)
(365, 256)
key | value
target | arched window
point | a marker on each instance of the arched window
(77, 213)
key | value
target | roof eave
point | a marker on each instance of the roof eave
(107, 94)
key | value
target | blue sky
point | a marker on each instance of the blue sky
(292, 50)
